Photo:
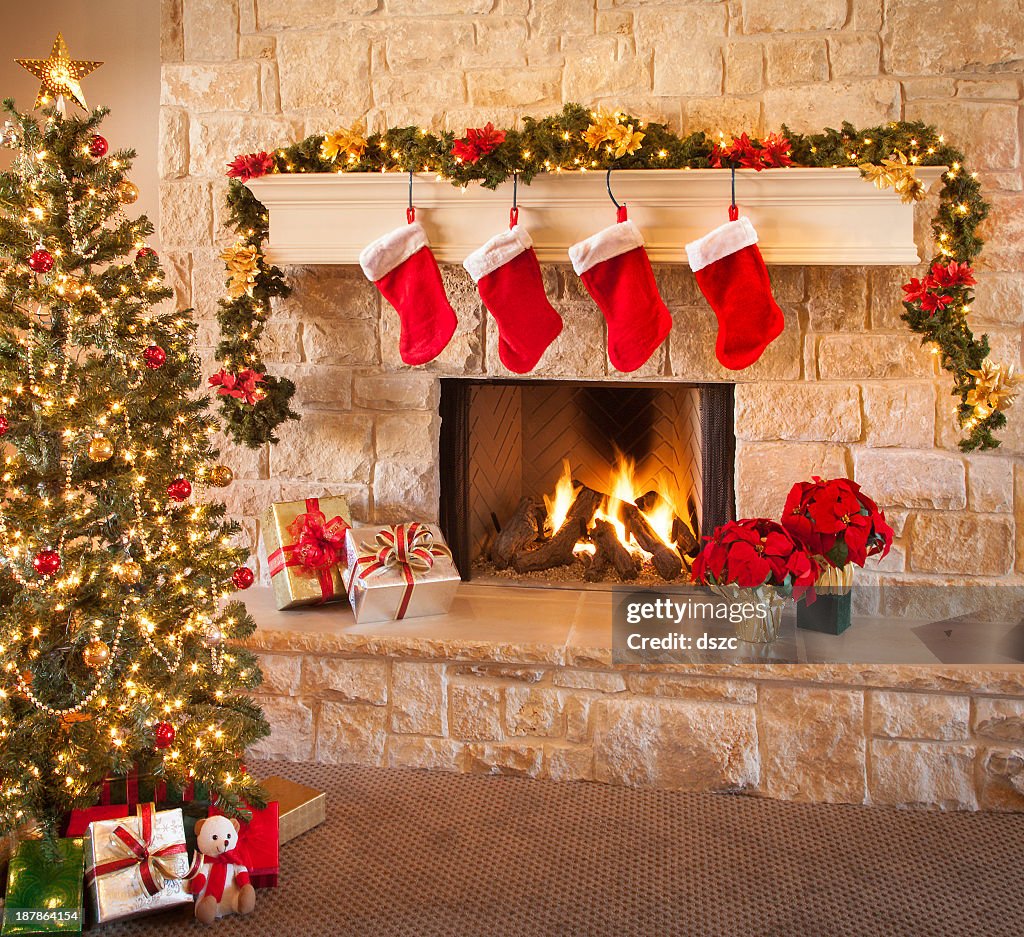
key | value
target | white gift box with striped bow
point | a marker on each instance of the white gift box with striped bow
(398, 571)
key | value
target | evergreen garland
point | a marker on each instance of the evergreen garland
(557, 143)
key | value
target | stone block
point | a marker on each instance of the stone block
(919, 715)
(568, 763)
(693, 688)
(199, 88)
(922, 773)
(504, 86)
(873, 357)
(675, 744)
(216, 139)
(500, 40)
(396, 392)
(352, 344)
(989, 89)
(989, 484)
(803, 729)
(210, 30)
(687, 47)
(409, 438)
(340, 679)
(172, 35)
(1002, 780)
(401, 491)
(595, 69)
(173, 143)
(281, 342)
(837, 299)
(766, 16)
(291, 730)
(912, 479)
(1000, 719)
(177, 267)
(563, 17)
(577, 352)
(412, 751)
(319, 387)
(186, 214)
(605, 681)
(426, 43)
(474, 712)
(728, 115)
(971, 544)
(999, 299)
(343, 444)
(534, 711)
(795, 60)
(985, 131)
(335, 292)
(866, 14)
(897, 414)
(822, 412)
(854, 55)
(988, 33)
(350, 734)
(435, 8)
(280, 674)
(808, 108)
(296, 14)
(311, 76)
(744, 67)
(511, 759)
(418, 698)
(766, 471)
(887, 297)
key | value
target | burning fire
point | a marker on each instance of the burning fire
(558, 505)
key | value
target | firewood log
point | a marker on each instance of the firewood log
(611, 552)
(521, 529)
(558, 550)
(682, 535)
(666, 561)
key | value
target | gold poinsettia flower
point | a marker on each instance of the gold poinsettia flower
(994, 388)
(601, 129)
(242, 261)
(624, 139)
(346, 141)
(896, 172)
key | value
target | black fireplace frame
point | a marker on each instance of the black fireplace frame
(718, 459)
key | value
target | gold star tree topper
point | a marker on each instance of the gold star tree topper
(60, 74)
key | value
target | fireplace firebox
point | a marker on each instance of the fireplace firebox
(589, 481)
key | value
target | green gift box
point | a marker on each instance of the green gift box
(44, 896)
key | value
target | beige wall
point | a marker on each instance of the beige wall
(125, 36)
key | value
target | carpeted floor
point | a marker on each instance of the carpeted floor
(418, 854)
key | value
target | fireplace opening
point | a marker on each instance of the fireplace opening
(558, 482)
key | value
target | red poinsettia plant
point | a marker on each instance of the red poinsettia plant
(250, 166)
(835, 520)
(241, 386)
(939, 287)
(477, 142)
(743, 153)
(755, 552)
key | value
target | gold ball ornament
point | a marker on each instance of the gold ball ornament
(126, 192)
(96, 653)
(100, 449)
(221, 476)
(129, 572)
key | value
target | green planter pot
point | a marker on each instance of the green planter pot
(830, 613)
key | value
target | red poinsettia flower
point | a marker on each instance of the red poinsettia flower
(478, 142)
(242, 386)
(775, 151)
(917, 289)
(755, 552)
(836, 521)
(250, 166)
(933, 302)
(952, 274)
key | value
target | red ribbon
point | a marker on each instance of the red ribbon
(408, 548)
(316, 547)
(153, 869)
(217, 877)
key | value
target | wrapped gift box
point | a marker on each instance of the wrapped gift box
(43, 896)
(299, 808)
(304, 542)
(403, 571)
(135, 865)
(258, 845)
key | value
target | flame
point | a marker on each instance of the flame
(558, 505)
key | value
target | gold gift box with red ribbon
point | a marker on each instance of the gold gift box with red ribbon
(399, 571)
(305, 543)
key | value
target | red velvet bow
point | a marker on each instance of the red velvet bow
(317, 545)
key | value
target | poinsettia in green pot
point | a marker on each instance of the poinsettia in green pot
(841, 526)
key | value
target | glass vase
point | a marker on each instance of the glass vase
(764, 605)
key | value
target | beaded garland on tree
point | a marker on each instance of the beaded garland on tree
(580, 140)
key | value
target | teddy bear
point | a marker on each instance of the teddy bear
(220, 882)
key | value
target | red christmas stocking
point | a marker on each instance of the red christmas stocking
(733, 278)
(617, 273)
(508, 277)
(404, 270)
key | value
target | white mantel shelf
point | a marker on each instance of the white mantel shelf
(803, 216)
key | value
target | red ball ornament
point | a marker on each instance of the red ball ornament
(144, 252)
(46, 562)
(41, 260)
(154, 356)
(179, 489)
(4, 425)
(164, 735)
(243, 577)
(97, 146)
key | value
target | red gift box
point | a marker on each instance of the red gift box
(258, 845)
(78, 825)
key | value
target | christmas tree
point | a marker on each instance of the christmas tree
(116, 571)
